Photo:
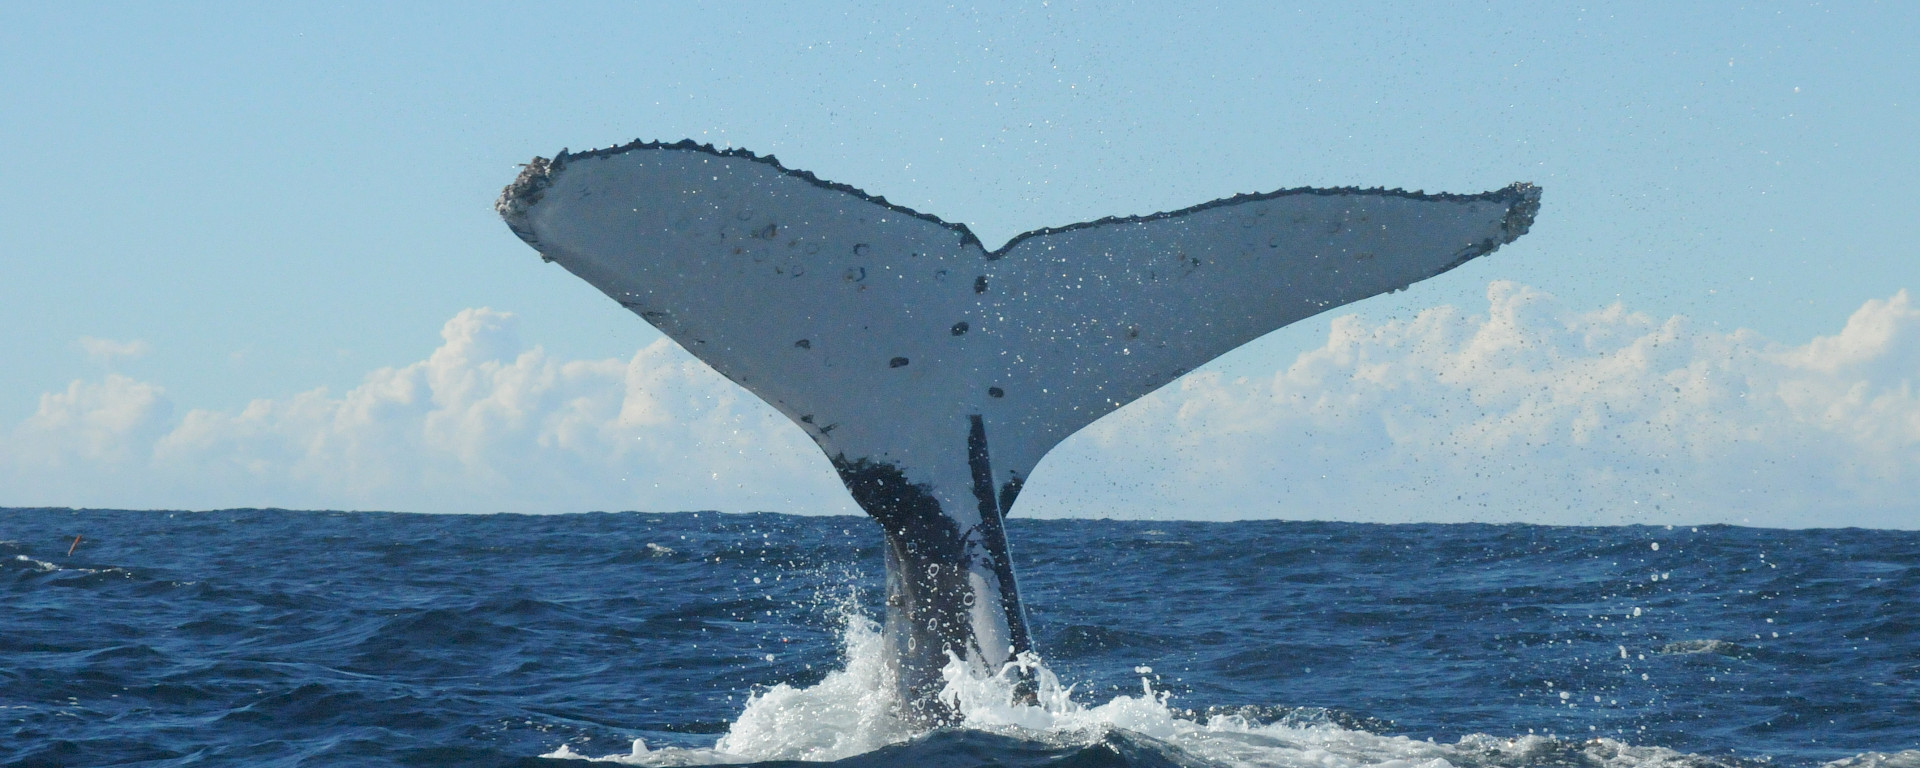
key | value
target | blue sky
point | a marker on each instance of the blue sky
(235, 204)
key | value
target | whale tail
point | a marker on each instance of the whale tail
(935, 373)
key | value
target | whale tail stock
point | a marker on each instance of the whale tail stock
(935, 373)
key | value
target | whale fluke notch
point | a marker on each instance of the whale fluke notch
(935, 373)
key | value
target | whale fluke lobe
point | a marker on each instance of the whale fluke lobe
(935, 373)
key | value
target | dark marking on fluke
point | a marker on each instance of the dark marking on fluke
(1010, 491)
(993, 534)
(926, 594)
(917, 456)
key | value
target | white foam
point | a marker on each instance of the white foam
(851, 712)
(1905, 759)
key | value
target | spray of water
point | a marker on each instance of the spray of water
(851, 712)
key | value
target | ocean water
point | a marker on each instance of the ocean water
(275, 638)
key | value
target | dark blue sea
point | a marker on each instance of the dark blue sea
(277, 638)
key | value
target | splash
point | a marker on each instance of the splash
(852, 712)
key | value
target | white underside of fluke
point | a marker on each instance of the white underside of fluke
(846, 313)
(885, 333)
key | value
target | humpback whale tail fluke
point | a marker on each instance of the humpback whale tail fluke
(935, 373)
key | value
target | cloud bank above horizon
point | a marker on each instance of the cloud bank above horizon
(1525, 411)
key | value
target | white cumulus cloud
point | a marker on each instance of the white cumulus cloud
(1521, 410)
(93, 428)
(485, 423)
(1531, 412)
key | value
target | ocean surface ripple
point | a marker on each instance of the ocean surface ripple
(276, 638)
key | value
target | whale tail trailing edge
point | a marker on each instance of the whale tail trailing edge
(935, 373)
